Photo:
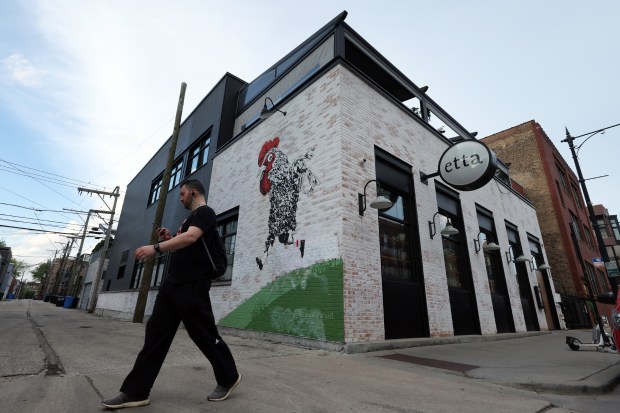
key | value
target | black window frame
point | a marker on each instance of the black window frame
(562, 175)
(449, 208)
(199, 150)
(229, 236)
(492, 259)
(155, 191)
(177, 172)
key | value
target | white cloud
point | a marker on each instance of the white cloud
(19, 69)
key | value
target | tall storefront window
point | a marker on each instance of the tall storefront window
(461, 291)
(394, 238)
(492, 258)
(454, 247)
(402, 282)
(522, 270)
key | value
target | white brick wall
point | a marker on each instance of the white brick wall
(344, 118)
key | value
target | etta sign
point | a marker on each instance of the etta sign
(467, 165)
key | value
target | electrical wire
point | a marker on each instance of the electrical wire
(61, 180)
(41, 230)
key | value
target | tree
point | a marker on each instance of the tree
(2, 243)
(18, 267)
(40, 272)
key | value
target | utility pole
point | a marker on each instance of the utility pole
(138, 315)
(48, 279)
(76, 273)
(597, 231)
(73, 278)
(63, 261)
(597, 315)
(94, 292)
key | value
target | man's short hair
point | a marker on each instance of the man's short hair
(194, 184)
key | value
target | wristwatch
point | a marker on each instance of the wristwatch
(156, 246)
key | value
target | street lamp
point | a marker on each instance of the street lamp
(599, 238)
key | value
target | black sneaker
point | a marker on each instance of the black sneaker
(221, 393)
(124, 400)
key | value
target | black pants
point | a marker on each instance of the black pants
(190, 303)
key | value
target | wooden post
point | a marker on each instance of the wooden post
(145, 283)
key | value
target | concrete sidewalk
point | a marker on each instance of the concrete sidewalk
(73, 359)
(541, 361)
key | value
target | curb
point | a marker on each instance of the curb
(601, 382)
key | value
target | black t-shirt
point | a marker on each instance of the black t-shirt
(192, 262)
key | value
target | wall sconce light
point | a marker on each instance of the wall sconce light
(488, 246)
(266, 112)
(520, 258)
(544, 267)
(446, 231)
(380, 202)
(541, 267)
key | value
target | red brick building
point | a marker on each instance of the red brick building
(554, 190)
(610, 231)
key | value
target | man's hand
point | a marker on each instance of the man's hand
(145, 252)
(164, 234)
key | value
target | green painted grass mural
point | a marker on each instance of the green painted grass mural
(307, 302)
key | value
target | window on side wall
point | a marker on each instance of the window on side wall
(602, 226)
(613, 220)
(576, 228)
(155, 191)
(158, 275)
(588, 235)
(123, 264)
(227, 227)
(176, 174)
(576, 195)
(562, 176)
(159, 268)
(198, 154)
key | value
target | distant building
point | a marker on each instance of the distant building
(610, 231)
(90, 273)
(554, 190)
(6, 271)
(58, 276)
(309, 257)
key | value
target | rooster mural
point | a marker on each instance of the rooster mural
(283, 181)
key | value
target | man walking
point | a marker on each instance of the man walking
(183, 296)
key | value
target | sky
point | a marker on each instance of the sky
(89, 89)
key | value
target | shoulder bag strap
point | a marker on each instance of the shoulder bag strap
(208, 253)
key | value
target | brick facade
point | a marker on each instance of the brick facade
(537, 165)
(344, 118)
(322, 277)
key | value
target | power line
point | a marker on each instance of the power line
(47, 225)
(38, 219)
(42, 210)
(41, 230)
(45, 179)
(68, 180)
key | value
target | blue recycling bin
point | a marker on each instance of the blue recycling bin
(68, 302)
(46, 299)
